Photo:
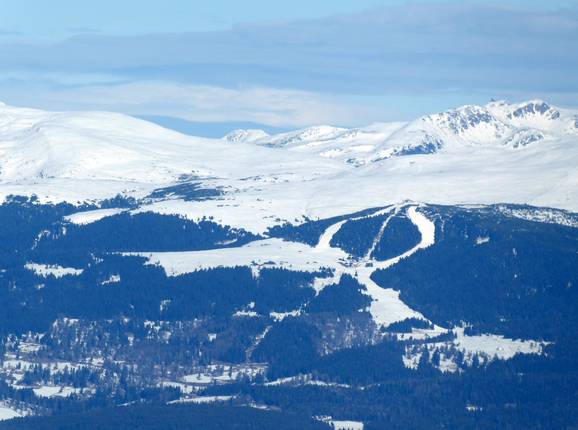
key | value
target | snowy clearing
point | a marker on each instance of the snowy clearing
(347, 425)
(223, 374)
(88, 217)
(49, 391)
(268, 253)
(46, 270)
(203, 399)
(7, 412)
(486, 347)
(386, 307)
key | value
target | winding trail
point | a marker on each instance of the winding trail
(386, 306)
(325, 239)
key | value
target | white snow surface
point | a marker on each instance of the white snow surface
(280, 316)
(88, 217)
(221, 374)
(544, 215)
(203, 399)
(341, 424)
(485, 346)
(7, 412)
(267, 253)
(55, 391)
(496, 346)
(46, 270)
(347, 425)
(386, 306)
(113, 279)
(473, 154)
(301, 380)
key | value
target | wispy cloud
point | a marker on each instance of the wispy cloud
(304, 71)
(9, 33)
(198, 103)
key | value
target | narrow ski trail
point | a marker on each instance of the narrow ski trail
(386, 306)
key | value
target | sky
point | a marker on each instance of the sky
(282, 65)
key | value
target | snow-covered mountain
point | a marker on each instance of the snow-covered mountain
(326, 272)
(500, 152)
(498, 123)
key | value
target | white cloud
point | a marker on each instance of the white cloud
(390, 63)
(198, 103)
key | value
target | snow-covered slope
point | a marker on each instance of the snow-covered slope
(500, 152)
(245, 136)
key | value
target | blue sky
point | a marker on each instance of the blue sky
(129, 17)
(61, 18)
(285, 64)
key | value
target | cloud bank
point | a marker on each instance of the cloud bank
(385, 63)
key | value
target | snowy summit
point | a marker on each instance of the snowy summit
(500, 152)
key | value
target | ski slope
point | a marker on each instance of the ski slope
(386, 306)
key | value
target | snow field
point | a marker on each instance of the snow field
(45, 270)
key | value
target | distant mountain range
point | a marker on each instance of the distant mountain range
(501, 152)
(401, 275)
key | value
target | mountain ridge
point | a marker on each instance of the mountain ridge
(472, 154)
(320, 265)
